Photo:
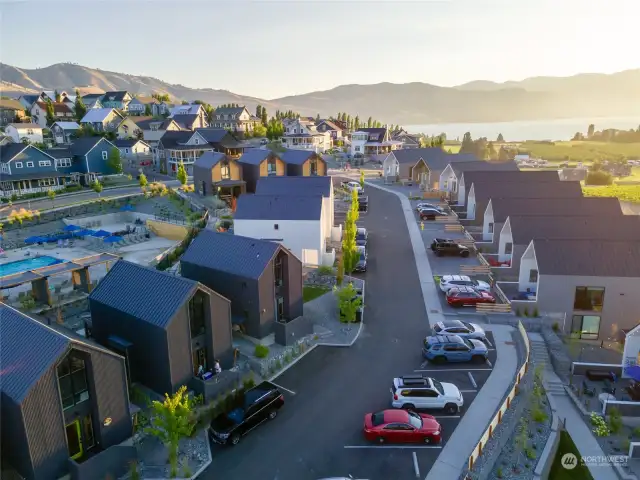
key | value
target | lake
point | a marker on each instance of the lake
(562, 129)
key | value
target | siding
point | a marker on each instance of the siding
(280, 168)
(35, 156)
(267, 289)
(221, 341)
(234, 170)
(322, 168)
(179, 349)
(14, 438)
(95, 160)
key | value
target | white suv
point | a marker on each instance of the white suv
(447, 282)
(416, 391)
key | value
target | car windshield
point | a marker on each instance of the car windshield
(437, 328)
(415, 420)
(438, 386)
(469, 326)
(377, 418)
(468, 343)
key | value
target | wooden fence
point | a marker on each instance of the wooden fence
(453, 228)
(447, 219)
(493, 308)
(475, 270)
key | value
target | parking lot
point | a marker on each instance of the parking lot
(318, 432)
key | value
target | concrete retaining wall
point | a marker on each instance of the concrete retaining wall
(550, 449)
(222, 383)
(580, 368)
(626, 409)
(168, 230)
(288, 333)
(111, 463)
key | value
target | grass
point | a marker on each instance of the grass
(312, 292)
(558, 472)
(580, 151)
(451, 148)
(627, 193)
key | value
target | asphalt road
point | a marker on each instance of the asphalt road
(329, 390)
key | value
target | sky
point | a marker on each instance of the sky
(270, 49)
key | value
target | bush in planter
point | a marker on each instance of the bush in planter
(536, 313)
(324, 270)
(555, 327)
(261, 351)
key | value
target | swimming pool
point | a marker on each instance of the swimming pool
(27, 264)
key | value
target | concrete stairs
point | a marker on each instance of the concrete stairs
(540, 357)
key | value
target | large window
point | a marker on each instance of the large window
(271, 166)
(589, 299)
(197, 314)
(313, 167)
(508, 248)
(533, 276)
(72, 378)
(586, 326)
(225, 171)
(278, 271)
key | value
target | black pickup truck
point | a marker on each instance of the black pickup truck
(255, 406)
(443, 246)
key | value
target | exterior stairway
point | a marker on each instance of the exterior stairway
(540, 357)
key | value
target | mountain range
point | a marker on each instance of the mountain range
(536, 98)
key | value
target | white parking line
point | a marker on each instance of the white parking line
(446, 416)
(283, 388)
(473, 380)
(415, 465)
(458, 369)
(489, 363)
(390, 447)
(488, 342)
(468, 391)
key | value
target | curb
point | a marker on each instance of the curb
(350, 344)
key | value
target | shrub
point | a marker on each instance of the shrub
(625, 444)
(278, 365)
(601, 429)
(598, 177)
(525, 313)
(134, 472)
(536, 313)
(539, 416)
(324, 270)
(555, 327)
(518, 313)
(248, 382)
(499, 472)
(615, 420)
(261, 351)
(636, 432)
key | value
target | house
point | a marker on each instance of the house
(61, 112)
(304, 163)
(573, 174)
(186, 147)
(237, 119)
(215, 173)
(11, 111)
(257, 163)
(128, 128)
(138, 105)
(4, 139)
(53, 95)
(408, 140)
(63, 132)
(70, 101)
(190, 117)
(24, 132)
(84, 161)
(27, 101)
(102, 119)
(301, 186)
(420, 165)
(161, 109)
(518, 231)
(498, 209)
(303, 135)
(374, 142)
(295, 221)
(165, 326)
(119, 100)
(25, 169)
(93, 100)
(262, 279)
(480, 194)
(452, 175)
(64, 398)
(132, 148)
(597, 298)
(469, 176)
(336, 132)
(153, 129)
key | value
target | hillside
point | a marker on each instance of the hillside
(586, 95)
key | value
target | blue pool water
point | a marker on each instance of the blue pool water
(27, 264)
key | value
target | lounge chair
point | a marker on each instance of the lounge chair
(60, 244)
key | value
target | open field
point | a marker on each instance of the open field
(451, 148)
(581, 151)
(627, 193)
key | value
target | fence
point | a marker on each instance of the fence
(454, 228)
(493, 308)
(477, 451)
(30, 191)
(475, 270)
(447, 219)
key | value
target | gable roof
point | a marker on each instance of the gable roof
(229, 111)
(25, 126)
(510, 176)
(475, 166)
(217, 135)
(117, 96)
(235, 254)
(144, 293)
(92, 96)
(278, 207)
(58, 107)
(296, 157)
(585, 206)
(434, 157)
(557, 189)
(175, 138)
(606, 258)
(67, 125)
(10, 150)
(254, 156)
(294, 186)
(95, 115)
(145, 100)
(190, 109)
(82, 146)
(11, 104)
(373, 132)
(209, 160)
(330, 124)
(31, 99)
(525, 228)
(144, 122)
(128, 142)
(186, 121)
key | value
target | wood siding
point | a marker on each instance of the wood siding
(179, 348)
(234, 170)
(280, 168)
(322, 168)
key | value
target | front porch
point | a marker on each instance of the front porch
(187, 156)
(302, 143)
(378, 148)
(229, 190)
(420, 173)
(29, 186)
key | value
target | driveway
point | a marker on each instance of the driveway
(329, 391)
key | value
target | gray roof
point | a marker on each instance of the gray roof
(29, 349)
(510, 176)
(378, 132)
(297, 186)
(98, 115)
(209, 160)
(81, 146)
(254, 156)
(229, 111)
(186, 121)
(67, 125)
(242, 256)
(606, 258)
(475, 166)
(525, 228)
(584, 206)
(278, 207)
(212, 135)
(127, 142)
(114, 96)
(296, 157)
(144, 293)
(23, 126)
(434, 157)
(557, 189)
(92, 96)
(173, 139)
(10, 150)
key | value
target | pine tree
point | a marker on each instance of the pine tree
(181, 175)
(467, 145)
(51, 116)
(259, 111)
(318, 118)
(356, 123)
(369, 122)
(500, 138)
(80, 107)
(264, 117)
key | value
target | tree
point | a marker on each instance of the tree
(318, 118)
(348, 302)
(356, 123)
(340, 272)
(493, 155)
(51, 116)
(500, 138)
(503, 155)
(143, 180)
(369, 122)
(171, 421)
(161, 97)
(591, 130)
(97, 187)
(182, 174)
(52, 196)
(184, 102)
(259, 130)
(264, 117)
(467, 145)
(577, 137)
(114, 161)
(349, 250)
(259, 111)
(57, 96)
(361, 179)
(147, 110)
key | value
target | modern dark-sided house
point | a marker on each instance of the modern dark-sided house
(63, 397)
(262, 279)
(257, 163)
(303, 163)
(216, 173)
(164, 325)
(451, 176)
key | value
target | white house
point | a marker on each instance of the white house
(61, 112)
(21, 131)
(373, 141)
(132, 148)
(303, 135)
(294, 221)
(102, 119)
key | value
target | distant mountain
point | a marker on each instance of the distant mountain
(585, 95)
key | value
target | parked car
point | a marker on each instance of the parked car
(361, 266)
(442, 246)
(430, 214)
(352, 186)
(363, 202)
(264, 141)
(401, 426)
(452, 348)
(424, 206)
(468, 296)
(448, 282)
(460, 328)
(417, 391)
(257, 405)
(362, 236)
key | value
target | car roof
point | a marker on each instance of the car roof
(392, 416)
(452, 323)
(463, 289)
(413, 381)
(449, 278)
(361, 230)
(445, 339)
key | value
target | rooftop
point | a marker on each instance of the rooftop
(503, 189)
(209, 160)
(25, 126)
(254, 156)
(97, 115)
(434, 157)
(296, 186)
(582, 206)
(296, 157)
(278, 207)
(544, 176)
(67, 125)
(475, 166)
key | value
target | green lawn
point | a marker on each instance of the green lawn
(580, 151)
(311, 292)
(627, 193)
(558, 472)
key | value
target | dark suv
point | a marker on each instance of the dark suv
(442, 246)
(255, 406)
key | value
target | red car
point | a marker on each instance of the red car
(461, 296)
(401, 426)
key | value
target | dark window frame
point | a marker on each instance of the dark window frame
(225, 170)
(76, 375)
(197, 318)
(588, 299)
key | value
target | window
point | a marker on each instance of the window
(533, 276)
(357, 149)
(271, 166)
(196, 141)
(44, 163)
(72, 379)
(276, 226)
(225, 172)
(46, 182)
(30, 131)
(105, 155)
(29, 164)
(197, 314)
(87, 432)
(313, 167)
(126, 150)
(278, 270)
(18, 164)
(586, 326)
(589, 298)
(4, 167)
(508, 248)
(490, 227)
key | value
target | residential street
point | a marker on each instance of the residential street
(335, 387)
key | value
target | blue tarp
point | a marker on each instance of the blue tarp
(113, 239)
(71, 228)
(102, 233)
(634, 372)
(34, 239)
(127, 208)
(83, 233)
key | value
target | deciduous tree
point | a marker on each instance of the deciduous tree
(51, 116)
(591, 130)
(348, 302)
(143, 180)
(114, 161)
(97, 187)
(181, 175)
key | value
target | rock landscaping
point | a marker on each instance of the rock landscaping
(613, 435)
